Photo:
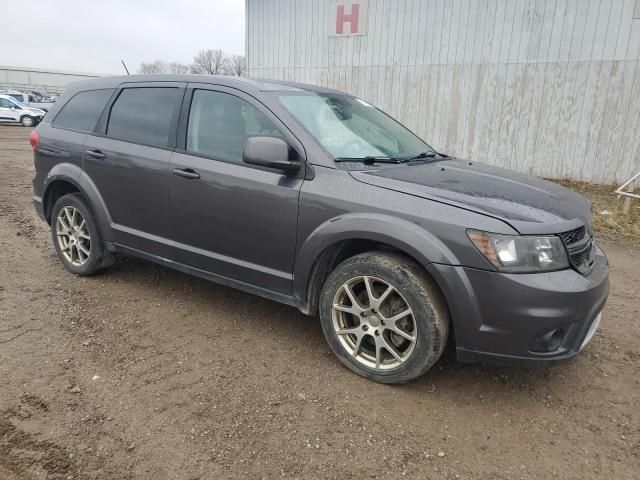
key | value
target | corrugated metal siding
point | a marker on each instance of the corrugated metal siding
(30, 78)
(547, 87)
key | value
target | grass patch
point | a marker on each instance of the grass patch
(608, 219)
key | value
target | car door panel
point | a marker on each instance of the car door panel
(8, 111)
(234, 220)
(134, 182)
(128, 158)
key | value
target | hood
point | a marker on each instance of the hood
(36, 111)
(529, 204)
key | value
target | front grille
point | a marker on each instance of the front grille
(579, 243)
(580, 259)
(573, 236)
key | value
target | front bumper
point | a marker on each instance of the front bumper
(501, 318)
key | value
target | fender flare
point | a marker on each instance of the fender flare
(73, 174)
(408, 237)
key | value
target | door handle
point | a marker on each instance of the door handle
(97, 154)
(189, 173)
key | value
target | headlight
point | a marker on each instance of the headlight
(521, 254)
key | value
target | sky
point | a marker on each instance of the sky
(93, 36)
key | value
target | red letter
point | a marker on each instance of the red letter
(352, 18)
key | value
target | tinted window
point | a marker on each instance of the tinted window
(82, 111)
(220, 123)
(143, 115)
(4, 103)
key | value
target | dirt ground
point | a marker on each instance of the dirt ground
(147, 373)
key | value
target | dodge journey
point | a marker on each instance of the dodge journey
(317, 199)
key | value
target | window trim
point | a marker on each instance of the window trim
(100, 129)
(87, 132)
(289, 137)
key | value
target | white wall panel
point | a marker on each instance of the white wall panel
(548, 87)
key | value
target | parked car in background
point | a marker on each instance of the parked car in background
(28, 100)
(319, 200)
(12, 111)
(42, 97)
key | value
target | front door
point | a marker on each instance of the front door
(230, 218)
(128, 160)
(9, 111)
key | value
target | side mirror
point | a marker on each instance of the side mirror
(270, 152)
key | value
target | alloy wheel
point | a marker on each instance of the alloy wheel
(73, 236)
(374, 323)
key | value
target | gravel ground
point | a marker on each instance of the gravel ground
(143, 372)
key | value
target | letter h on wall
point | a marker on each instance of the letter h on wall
(352, 18)
(348, 18)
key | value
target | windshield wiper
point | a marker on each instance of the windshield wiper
(369, 159)
(429, 154)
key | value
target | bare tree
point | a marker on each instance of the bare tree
(179, 68)
(211, 62)
(237, 65)
(153, 67)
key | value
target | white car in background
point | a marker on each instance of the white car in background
(12, 111)
(28, 100)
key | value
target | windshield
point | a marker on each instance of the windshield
(16, 99)
(348, 127)
(12, 100)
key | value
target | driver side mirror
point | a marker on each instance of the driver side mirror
(270, 152)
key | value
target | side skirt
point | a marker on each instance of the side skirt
(212, 277)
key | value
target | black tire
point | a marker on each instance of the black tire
(98, 258)
(422, 296)
(27, 121)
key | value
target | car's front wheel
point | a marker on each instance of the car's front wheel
(383, 318)
(27, 121)
(76, 237)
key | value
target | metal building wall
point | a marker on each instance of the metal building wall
(547, 87)
(51, 81)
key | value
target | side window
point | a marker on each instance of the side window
(4, 103)
(143, 115)
(220, 124)
(82, 111)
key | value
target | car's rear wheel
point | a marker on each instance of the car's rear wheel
(27, 121)
(383, 318)
(76, 237)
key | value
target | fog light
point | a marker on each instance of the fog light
(548, 341)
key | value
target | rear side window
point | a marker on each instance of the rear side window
(143, 115)
(83, 110)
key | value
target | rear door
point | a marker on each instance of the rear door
(128, 157)
(228, 217)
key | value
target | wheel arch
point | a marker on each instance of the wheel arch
(67, 178)
(343, 237)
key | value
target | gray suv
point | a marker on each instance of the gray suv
(317, 199)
